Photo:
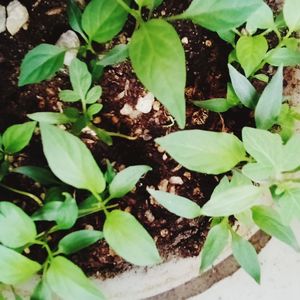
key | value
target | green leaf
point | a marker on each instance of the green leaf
(269, 104)
(283, 56)
(250, 51)
(232, 201)
(94, 94)
(204, 151)
(16, 137)
(80, 77)
(78, 240)
(246, 256)
(16, 227)
(94, 109)
(220, 15)
(41, 175)
(291, 10)
(42, 292)
(291, 159)
(75, 16)
(64, 213)
(126, 180)
(103, 19)
(16, 268)
(259, 172)
(261, 77)
(177, 205)
(215, 243)
(264, 146)
(268, 220)
(68, 282)
(69, 96)
(127, 237)
(103, 135)
(158, 59)
(227, 35)
(243, 88)
(216, 105)
(116, 55)
(262, 18)
(289, 205)
(50, 118)
(46, 59)
(70, 160)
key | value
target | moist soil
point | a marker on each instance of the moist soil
(207, 78)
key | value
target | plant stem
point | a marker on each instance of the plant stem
(124, 136)
(29, 195)
(135, 13)
(102, 204)
(174, 18)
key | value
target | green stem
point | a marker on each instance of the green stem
(124, 136)
(135, 13)
(29, 195)
(46, 246)
(101, 202)
(174, 18)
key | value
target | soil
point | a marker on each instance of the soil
(207, 77)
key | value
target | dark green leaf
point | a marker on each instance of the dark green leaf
(41, 175)
(268, 220)
(42, 292)
(68, 282)
(16, 227)
(216, 105)
(16, 137)
(103, 19)
(269, 104)
(204, 151)
(115, 56)
(126, 180)
(103, 135)
(177, 205)
(75, 16)
(46, 59)
(70, 160)
(51, 118)
(158, 59)
(220, 15)
(127, 237)
(78, 240)
(246, 256)
(243, 88)
(16, 268)
(215, 243)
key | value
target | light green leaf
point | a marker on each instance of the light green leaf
(246, 256)
(16, 137)
(69, 96)
(80, 77)
(177, 205)
(283, 56)
(269, 104)
(291, 159)
(262, 18)
(94, 94)
(204, 151)
(220, 15)
(215, 243)
(291, 10)
(126, 180)
(70, 160)
(93, 109)
(150, 4)
(68, 282)
(38, 174)
(78, 240)
(227, 35)
(16, 268)
(115, 56)
(261, 77)
(243, 88)
(250, 51)
(259, 172)
(63, 213)
(268, 220)
(232, 201)
(216, 105)
(16, 227)
(50, 117)
(42, 292)
(289, 205)
(46, 59)
(103, 19)
(158, 59)
(127, 237)
(264, 146)
(75, 16)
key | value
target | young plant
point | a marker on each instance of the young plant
(271, 169)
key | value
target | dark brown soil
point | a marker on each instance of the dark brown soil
(207, 77)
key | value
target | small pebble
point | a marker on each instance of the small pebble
(163, 185)
(126, 110)
(17, 17)
(176, 180)
(185, 40)
(164, 232)
(149, 216)
(144, 104)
